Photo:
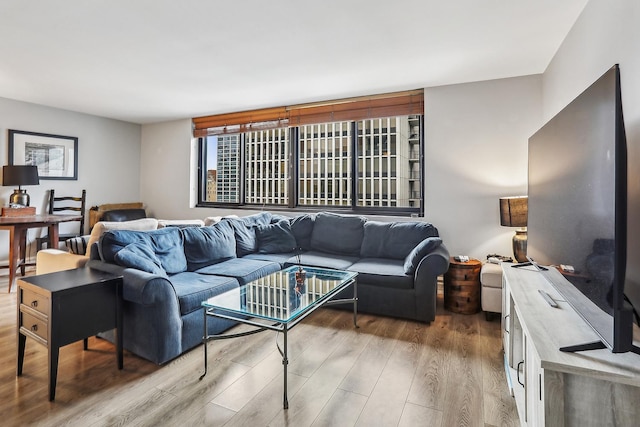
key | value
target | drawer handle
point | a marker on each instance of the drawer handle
(34, 304)
(34, 328)
(506, 323)
(465, 277)
(518, 373)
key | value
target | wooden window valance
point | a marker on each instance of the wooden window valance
(360, 108)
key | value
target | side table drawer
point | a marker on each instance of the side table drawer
(35, 301)
(33, 326)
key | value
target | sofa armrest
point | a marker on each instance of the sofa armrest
(52, 260)
(434, 264)
(430, 267)
(139, 286)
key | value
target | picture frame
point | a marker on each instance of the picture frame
(56, 156)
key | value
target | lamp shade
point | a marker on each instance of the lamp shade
(513, 211)
(20, 175)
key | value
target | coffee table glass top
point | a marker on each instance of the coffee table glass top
(279, 297)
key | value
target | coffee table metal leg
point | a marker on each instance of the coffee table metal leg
(355, 303)
(204, 344)
(285, 362)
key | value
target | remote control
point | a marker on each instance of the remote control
(548, 298)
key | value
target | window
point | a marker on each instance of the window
(373, 165)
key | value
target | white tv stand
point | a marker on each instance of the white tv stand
(554, 388)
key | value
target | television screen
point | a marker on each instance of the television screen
(577, 207)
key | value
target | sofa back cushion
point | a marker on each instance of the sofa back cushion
(275, 238)
(394, 240)
(244, 229)
(337, 234)
(301, 228)
(166, 243)
(204, 246)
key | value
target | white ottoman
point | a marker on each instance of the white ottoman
(491, 289)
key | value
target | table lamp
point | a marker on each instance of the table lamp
(19, 175)
(513, 213)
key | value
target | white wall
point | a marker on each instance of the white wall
(476, 136)
(108, 157)
(607, 32)
(476, 152)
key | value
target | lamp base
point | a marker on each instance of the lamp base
(19, 197)
(520, 245)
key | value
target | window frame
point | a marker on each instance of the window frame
(293, 187)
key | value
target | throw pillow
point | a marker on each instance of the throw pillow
(420, 251)
(141, 257)
(77, 245)
(102, 227)
(166, 243)
(275, 238)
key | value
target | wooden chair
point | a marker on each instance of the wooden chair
(65, 205)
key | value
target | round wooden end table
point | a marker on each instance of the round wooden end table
(462, 286)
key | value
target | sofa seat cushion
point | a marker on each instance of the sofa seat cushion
(382, 272)
(337, 234)
(192, 289)
(244, 270)
(281, 259)
(323, 259)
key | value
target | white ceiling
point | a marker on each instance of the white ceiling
(146, 61)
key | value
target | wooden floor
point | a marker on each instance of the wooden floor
(389, 372)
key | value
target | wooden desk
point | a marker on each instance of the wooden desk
(18, 226)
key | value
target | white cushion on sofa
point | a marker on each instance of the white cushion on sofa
(162, 223)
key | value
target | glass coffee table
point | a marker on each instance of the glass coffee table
(278, 302)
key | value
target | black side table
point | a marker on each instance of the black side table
(60, 308)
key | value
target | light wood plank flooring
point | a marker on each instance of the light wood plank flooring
(389, 372)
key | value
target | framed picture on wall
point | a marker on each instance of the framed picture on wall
(56, 156)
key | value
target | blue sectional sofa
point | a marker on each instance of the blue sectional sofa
(169, 272)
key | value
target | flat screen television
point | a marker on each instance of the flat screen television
(577, 188)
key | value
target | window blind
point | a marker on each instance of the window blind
(348, 109)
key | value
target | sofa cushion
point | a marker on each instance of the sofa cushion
(101, 227)
(140, 256)
(244, 270)
(192, 289)
(245, 236)
(180, 223)
(323, 259)
(167, 244)
(382, 272)
(394, 240)
(302, 227)
(420, 251)
(275, 238)
(280, 258)
(337, 234)
(205, 246)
